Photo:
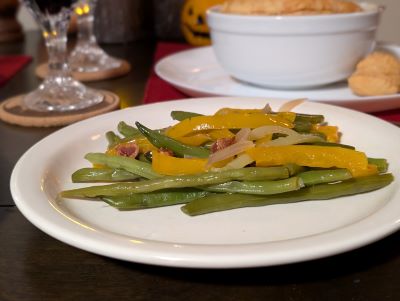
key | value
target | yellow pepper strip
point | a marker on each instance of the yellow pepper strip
(144, 146)
(263, 140)
(201, 138)
(291, 116)
(168, 165)
(313, 156)
(194, 140)
(225, 111)
(287, 115)
(331, 132)
(228, 121)
(220, 134)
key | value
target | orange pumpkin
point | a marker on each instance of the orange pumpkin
(194, 23)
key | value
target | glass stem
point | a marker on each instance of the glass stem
(85, 26)
(56, 43)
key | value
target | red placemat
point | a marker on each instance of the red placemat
(159, 90)
(10, 65)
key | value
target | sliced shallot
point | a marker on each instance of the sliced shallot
(229, 151)
(293, 139)
(263, 131)
(288, 106)
(242, 135)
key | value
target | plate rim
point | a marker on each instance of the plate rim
(177, 256)
(360, 103)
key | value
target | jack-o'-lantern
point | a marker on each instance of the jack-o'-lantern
(194, 23)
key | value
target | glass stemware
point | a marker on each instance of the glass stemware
(59, 91)
(87, 55)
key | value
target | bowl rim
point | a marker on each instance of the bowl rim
(370, 9)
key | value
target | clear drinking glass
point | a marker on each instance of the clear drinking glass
(87, 55)
(59, 91)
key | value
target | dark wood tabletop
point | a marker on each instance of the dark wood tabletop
(35, 266)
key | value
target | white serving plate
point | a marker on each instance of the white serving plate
(248, 237)
(196, 72)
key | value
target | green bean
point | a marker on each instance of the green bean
(313, 177)
(258, 187)
(309, 118)
(294, 169)
(127, 130)
(380, 163)
(134, 166)
(168, 182)
(143, 157)
(179, 149)
(154, 199)
(302, 126)
(325, 143)
(112, 138)
(85, 175)
(221, 202)
(182, 115)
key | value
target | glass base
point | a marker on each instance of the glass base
(61, 95)
(91, 58)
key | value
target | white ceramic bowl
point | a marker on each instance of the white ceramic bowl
(292, 51)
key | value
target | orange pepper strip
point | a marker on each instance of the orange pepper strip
(331, 132)
(168, 165)
(228, 121)
(313, 156)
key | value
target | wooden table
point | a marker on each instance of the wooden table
(34, 266)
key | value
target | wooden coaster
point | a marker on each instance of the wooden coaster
(41, 72)
(14, 111)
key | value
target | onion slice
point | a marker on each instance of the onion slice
(242, 135)
(229, 151)
(293, 139)
(288, 106)
(265, 130)
(241, 161)
(267, 109)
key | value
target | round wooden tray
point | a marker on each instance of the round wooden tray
(41, 72)
(14, 111)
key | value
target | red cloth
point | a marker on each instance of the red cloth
(10, 65)
(159, 90)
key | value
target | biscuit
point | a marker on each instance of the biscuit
(372, 85)
(379, 62)
(377, 74)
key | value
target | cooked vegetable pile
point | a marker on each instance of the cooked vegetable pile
(232, 159)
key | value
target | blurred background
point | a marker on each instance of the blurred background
(161, 19)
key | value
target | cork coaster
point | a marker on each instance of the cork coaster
(14, 111)
(41, 72)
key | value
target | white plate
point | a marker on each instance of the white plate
(197, 73)
(239, 238)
